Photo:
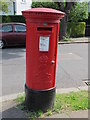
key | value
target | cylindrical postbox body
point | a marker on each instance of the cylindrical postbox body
(41, 56)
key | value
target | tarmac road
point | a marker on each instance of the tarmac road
(72, 67)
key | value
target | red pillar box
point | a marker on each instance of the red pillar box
(41, 56)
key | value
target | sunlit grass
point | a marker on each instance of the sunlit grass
(72, 101)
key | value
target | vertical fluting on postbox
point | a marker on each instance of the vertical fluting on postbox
(41, 56)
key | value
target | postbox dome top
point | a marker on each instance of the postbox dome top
(43, 14)
(43, 10)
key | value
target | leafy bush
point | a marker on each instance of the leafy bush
(45, 4)
(13, 18)
(79, 12)
(76, 29)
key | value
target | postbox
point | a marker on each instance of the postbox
(41, 56)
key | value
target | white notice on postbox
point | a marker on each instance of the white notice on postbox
(44, 43)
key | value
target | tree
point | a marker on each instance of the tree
(63, 6)
(4, 6)
(74, 11)
(79, 12)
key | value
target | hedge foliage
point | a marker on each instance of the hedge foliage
(76, 29)
(45, 4)
(79, 12)
(13, 18)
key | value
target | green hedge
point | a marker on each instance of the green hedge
(45, 4)
(76, 29)
(13, 18)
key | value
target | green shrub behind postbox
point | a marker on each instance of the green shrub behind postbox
(13, 18)
(76, 29)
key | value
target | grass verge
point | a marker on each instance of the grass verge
(66, 102)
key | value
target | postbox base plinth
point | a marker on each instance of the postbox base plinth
(39, 99)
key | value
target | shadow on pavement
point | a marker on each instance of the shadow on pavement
(13, 112)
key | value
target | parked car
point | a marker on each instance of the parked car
(12, 34)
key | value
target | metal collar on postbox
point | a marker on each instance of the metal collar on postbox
(43, 14)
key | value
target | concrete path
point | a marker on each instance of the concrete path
(10, 110)
(73, 114)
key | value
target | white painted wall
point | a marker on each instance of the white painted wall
(22, 5)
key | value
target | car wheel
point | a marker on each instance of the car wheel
(2, 44)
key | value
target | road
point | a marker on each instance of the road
(72, 67)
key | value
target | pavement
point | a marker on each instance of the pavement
(10, 109)
(76, 40)
(8, 106)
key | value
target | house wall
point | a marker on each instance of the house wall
(22, 5)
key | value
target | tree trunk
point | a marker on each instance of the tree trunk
(63, 28)
(66, 9)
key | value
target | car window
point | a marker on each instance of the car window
(7, 28)
(20, 28)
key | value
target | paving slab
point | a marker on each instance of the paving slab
(60, 115)
(72, 114)
(79, 114)
(9, 110)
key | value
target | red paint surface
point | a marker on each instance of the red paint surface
(44, 10)
(40, 72)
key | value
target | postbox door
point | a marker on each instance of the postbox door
(46, 58)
